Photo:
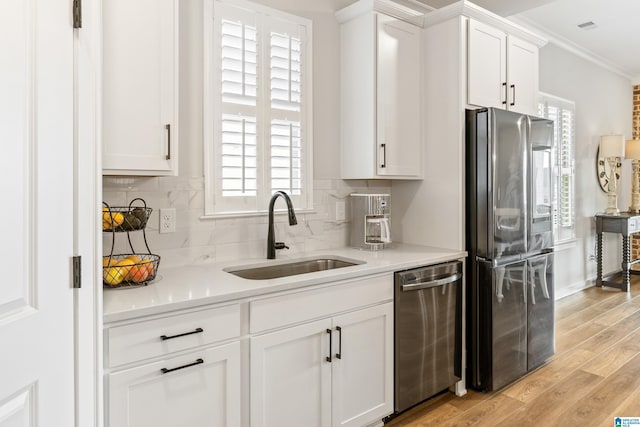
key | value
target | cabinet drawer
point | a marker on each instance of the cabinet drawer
(275, 312)
(130, 343)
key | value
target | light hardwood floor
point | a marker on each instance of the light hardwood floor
(593, 377)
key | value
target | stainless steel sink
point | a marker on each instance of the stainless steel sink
(291, 268)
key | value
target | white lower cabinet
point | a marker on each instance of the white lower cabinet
(198, 389)
(362, 378)
(336, 371)
(320, 356)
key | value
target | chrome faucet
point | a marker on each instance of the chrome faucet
(272, 245)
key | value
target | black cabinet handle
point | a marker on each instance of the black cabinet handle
(168, 128)
(196, 331)
(513, 93)
(197, 362)
(384, 155)
(328, 358)
(339, 353)
(506, 94)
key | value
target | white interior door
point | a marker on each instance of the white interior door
(36, 166)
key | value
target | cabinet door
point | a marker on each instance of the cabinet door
(363, 366)
(291, 378)
(399, 141)
(522, 73)
(486, 79)
(207, 393)
(140, 87)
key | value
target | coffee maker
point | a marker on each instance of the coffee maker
(370, 221)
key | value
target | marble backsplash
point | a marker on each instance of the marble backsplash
(197, 240)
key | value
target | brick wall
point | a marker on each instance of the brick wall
(636, 112)
(635, 241)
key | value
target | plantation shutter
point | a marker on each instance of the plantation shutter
(562, 112)
(235, 112)
(260, 81)
(285, 94)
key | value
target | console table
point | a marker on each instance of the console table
(625, 224)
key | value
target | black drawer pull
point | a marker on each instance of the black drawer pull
(339, 353)
(196, 331)
(328, 358)
(197, 362)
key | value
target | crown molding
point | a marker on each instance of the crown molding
(413, 14)
(574, 48)
(471, 10)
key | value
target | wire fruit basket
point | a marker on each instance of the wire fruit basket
(129, 269)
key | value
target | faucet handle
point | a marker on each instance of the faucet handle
(280, 245)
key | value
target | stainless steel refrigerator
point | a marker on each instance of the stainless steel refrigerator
(510, 322)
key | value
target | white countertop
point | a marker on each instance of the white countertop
(195, 285)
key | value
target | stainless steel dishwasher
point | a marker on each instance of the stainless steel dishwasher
(428, 332)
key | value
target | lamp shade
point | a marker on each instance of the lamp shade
(632, 149)
(612, 146)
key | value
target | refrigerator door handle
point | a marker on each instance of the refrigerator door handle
(431, 283)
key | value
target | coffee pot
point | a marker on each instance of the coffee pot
(370, 221)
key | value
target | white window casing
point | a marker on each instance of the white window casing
(257, 107)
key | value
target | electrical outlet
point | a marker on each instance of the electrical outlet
(168, 220)
(340, 210)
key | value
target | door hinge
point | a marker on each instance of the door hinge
(77, 272)
(77, 13)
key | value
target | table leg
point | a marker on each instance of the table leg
(626, 260)
(599, 259)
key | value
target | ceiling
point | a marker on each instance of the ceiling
(614, 41)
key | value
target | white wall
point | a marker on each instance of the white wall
(603, 105)
(197, 240)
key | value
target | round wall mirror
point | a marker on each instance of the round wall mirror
(602, 168)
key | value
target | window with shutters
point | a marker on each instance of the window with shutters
(257, 107)
(562, 112)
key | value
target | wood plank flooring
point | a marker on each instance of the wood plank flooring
(593, 377)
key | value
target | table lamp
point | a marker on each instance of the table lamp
(632, 151)
(612, 149)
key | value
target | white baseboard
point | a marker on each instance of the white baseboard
(565, 291)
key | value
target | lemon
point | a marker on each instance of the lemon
(113, 276)
(125, 267)
(108, 261)
(111, 219)
(134, 258)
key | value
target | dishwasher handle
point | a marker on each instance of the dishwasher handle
(431, 284)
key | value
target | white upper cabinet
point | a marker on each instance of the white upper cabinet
(522, 71)
(140, 87)
(381, 84)
(502, 70)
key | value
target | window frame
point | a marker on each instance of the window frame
(215, 204)
(562, 233)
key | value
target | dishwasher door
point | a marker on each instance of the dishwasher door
(428, 330)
